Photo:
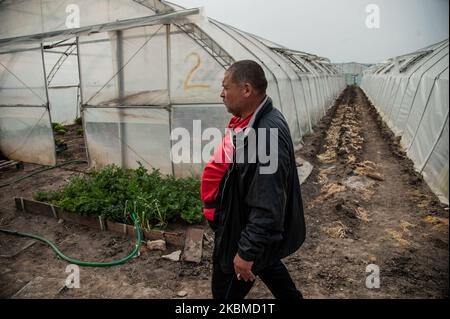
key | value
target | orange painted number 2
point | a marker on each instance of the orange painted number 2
(187, 81)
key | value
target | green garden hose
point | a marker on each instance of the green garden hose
(79, 262)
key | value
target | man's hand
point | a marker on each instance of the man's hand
(243, 269)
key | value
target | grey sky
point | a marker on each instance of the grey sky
(336, 28)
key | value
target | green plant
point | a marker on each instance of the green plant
(79, 131)
(49, 196)
(59, 128)
(114, 193)
(78, 121)
(59, 141)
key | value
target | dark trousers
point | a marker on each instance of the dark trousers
(276, 277)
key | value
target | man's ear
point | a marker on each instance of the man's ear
(247, 89)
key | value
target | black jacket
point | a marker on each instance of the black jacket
(260, 216)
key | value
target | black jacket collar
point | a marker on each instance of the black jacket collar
(266, 108)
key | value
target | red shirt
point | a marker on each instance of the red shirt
(218, 165)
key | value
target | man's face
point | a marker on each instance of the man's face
(233, 95)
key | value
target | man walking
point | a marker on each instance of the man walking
(254, 205)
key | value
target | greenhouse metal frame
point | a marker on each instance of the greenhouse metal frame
(139, 78)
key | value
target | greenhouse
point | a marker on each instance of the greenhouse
(411, 94)
(121, 167)
(149, 67)
(351, 71)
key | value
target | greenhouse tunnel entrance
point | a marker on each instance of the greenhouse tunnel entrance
(64, 97)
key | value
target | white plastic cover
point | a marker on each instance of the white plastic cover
(130, 70)
(135, 68)
(127, 136)
(22, 76)
(26, 134)
(51, 15)
(195, 76)
(415, 104)
(64, 106)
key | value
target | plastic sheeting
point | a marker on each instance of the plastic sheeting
(22, 76)
(25, 130)
(195, 76)
(352, 71)
(51, 15)
(135, 71)
(195, 80)
(64, 106)
(411, 94)
(126, 68)
(127, 136)
(26, 134)
(303, 104)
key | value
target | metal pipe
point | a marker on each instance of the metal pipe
(121, 94)
(83, 121)
(48, 102)
(169, 64)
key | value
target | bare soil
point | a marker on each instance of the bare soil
(364, 204)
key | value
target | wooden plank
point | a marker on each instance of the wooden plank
(116, 227)
(18, 164)
(131, 231)
(102, 223)
(39, 288)
(193, 245)
(37, 208)
(176, 239)
(153, 234)
(18, 201)
(7, 163)
(89, 221)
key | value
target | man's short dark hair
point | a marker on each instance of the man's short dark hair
(248, 71)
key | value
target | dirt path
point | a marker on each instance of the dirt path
(363, 204)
